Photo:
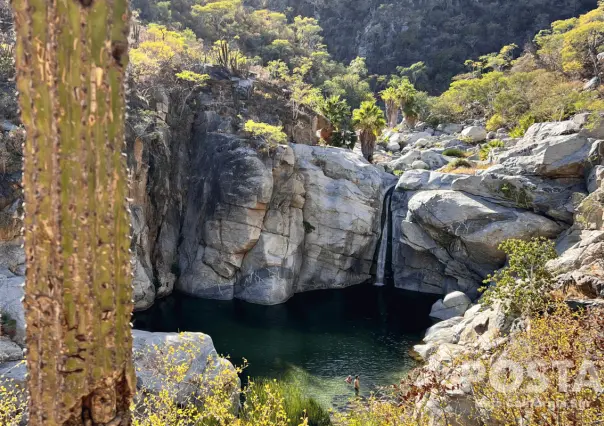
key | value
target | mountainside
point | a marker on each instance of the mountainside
(441, 33)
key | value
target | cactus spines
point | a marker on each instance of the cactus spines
(71, 63)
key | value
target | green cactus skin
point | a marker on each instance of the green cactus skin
(71, 62)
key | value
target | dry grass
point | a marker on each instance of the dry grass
(464, 170)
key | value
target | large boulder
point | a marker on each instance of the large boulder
(450, 128)
(266, 222)
(474, 134)
(479, 224)
(155, 355)
(432, 158)
(341, 217)
(9, 350)
(553, 198)
(479, 327)
(412, 138)
(562, 156)
(393, 146)
(143, 289)
(541, 131)
(423, 180)
(448, 240)
(11, 294)
(454, 304)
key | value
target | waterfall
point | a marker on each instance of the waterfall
(382, 260)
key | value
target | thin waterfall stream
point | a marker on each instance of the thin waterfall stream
(385, 249)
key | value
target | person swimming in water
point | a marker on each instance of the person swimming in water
(357, 385)
(349, 380)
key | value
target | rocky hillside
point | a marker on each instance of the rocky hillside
(443, 34)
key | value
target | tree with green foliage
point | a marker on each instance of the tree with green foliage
(406, 94)
(337, 112)
(273, 135)
(414, 72)
(369, 120)
(523, 286)
(390, 98)
(352, 84)
(71, 65)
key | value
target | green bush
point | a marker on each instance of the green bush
(460, 162)
(486, 148)
(454, 152)
(271, 134)
(523, 286)
(295, 404)
(523, 125)
(496, 122)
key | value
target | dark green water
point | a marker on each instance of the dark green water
(316, 339)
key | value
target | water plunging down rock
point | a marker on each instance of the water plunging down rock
(385, 240)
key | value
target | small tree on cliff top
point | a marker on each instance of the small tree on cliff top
(369, 121)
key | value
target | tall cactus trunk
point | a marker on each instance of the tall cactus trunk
(71, 60)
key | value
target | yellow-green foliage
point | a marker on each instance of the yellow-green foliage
(159, 46)
(378, 412)
(271, 134)
(13, 403)
(546, 396)
(523, 286)
(486, 148)
(544, 86)
(193, 77)
(294, 405)
(572, 45)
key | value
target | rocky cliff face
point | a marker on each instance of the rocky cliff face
(262, 223)
(220, 215)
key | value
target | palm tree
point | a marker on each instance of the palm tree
(391, 97)
(369, 120)
(406, 94)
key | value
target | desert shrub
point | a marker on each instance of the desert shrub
(13, 403)
(486, 148)
(523, 286)
(454, 152)
(495, 122)
(273, 135)
(376, 412)
(558, 341)
(523, 125)
(460, 162)
(216, 394)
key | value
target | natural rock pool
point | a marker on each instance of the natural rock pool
(316, 339)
